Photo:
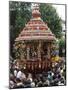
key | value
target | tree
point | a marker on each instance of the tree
(49, 15)
(62, 46)
(20, 14)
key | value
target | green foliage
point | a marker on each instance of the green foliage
(62, 43)
(62, 46)
(19, 49)
(49, 15)
(19, 16)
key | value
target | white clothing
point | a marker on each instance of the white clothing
(15, 73)
(32, 84)
(21, 75)
(11, 84)
(18, 84)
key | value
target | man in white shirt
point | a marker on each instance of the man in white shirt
(15, 73)
(20, 75)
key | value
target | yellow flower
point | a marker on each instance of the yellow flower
(53, 58)
(57, 58)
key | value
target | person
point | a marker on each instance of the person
(32, 84)
(35, 81)
(19, 84)
(46, 83)
(27, 83)
(11, 84)
(39, 84)
(20, 75)
(60, 83)
(49, 76)
(15, 72)
(30, 77)
(52, 77)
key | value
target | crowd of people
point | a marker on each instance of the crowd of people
(56, 76)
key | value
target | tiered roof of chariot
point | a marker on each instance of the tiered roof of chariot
(36, 29)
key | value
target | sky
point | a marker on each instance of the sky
(60, 10)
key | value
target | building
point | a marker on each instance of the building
(37, 40)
